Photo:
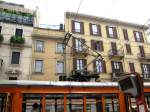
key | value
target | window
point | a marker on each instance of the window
(39, 66)
(79, 64)
(142, 52)
(19, 32)
(60, 48)
(99, 66)
(114, 50)
(111, 32)
(39, 46)
(97, 45)
(12, 78)
(95, 29)
(125, 34)
(138, 36)
(128, 49)
(15, 57)
(60, 67)
(77, 27)
(145, 68)
(117, 67)
(131, 65)
(78, 44)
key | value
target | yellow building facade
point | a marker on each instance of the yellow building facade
(45, 55)
(122, 45)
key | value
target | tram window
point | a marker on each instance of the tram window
(75, 103)
(126, 84)
(111, 103)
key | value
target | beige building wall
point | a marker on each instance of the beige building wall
(49, 56)
(6, 50)
(103, 22)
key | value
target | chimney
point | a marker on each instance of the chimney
(61, 27)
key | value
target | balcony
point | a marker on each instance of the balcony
(16, 17)
(118, 54)
(116, 75)
(143, 57)
(17, 41)
(80, 53)
(82, 76)
(13, 72)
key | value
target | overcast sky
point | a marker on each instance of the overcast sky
(52, 11)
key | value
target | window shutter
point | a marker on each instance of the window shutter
(141, 35)
(115, 32)
(73, 45)
(128, 48)
(90, 27)
(82, 27)
(131, 65)
(104, 66)
(121, 66)
(107, 31)
(142, 53)
(142, 68)
(94, 66)
(101, 46)
(85, 63)
(0, 29)
(134, 32)
(73, 26)
(92, 44)
(99, 30)
(74, 64)
(112, 66)
(125, 34)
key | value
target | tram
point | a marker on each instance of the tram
(57, 96)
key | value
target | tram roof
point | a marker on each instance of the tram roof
(61, 83)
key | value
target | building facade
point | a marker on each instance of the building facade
(123, 46)
(16, 27)
(47, 54)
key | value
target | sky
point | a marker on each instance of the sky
(52, 11)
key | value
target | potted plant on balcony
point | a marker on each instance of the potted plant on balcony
(17, 41)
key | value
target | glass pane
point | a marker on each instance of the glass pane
(15, 57)
(38, 65)
(94, 29)
(39, 46)
(77, 27)
(60, 67)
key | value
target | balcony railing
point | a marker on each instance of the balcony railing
(15, 18)
(116, 75)
(116, 54)
(83, 52)
(144, 57)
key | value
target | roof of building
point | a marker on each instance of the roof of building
(61, 83)
(103, 19)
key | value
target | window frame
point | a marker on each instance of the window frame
(36, 46)
(42, 66)
(57, 48)
(15, 57)
(20, 32)
(63, 67)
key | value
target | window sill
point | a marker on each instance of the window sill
(78, 33)
(39, 51)
(113, 37)
(37, 73)
(62, 74)
(59, 52)
(14, 65)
